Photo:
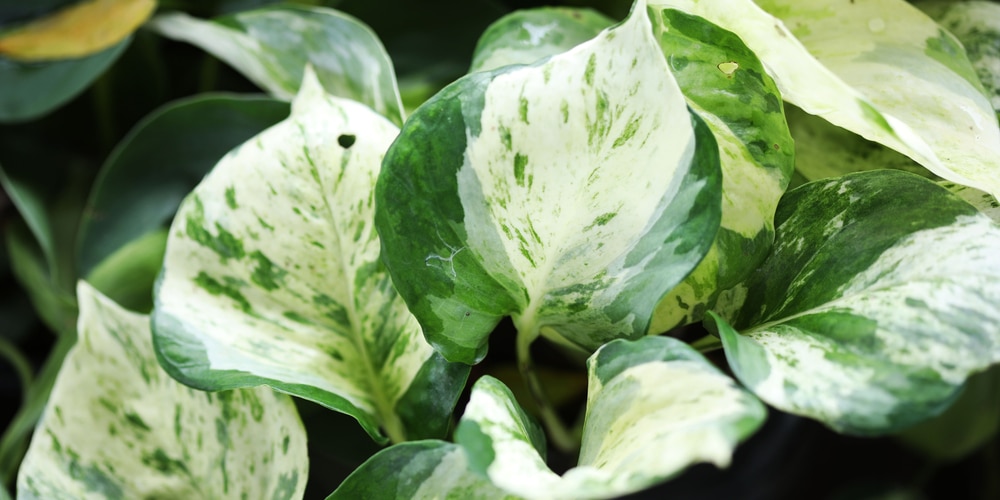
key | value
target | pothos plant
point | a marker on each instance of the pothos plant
(605, 185)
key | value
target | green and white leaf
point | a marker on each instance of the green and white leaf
(418, 469)
(726, 84)
(977, 25)
(116, 426)
(862, 65)
(570, 195)
(876, 303)
(824, 150)
(528, 35)
(271, 46)
(655, 406)
(272, 276)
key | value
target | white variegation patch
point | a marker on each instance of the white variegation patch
(578, 171)
(272, 270)
(272, 46)
(930, 302)
(663, 412)
(885, 56)
(117, 426)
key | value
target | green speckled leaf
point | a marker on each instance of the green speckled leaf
(726, 84)
(118, 427)
(525, 36)
(418, 469)
(271, 46)
(272, 276)
(862, 66)
(876, 302)
(570, 195)
(655, 406)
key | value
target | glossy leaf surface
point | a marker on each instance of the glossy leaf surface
(877, 301)
(271, 46)
(726, 84)
(862, 65)
(117, 426)
(272, 277)
(654, 407)
(570, 195)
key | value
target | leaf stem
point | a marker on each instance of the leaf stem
(564, 439)
(707, 344)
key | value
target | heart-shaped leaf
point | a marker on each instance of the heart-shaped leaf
(272, 277)
(116, 426)
(570, 195)
(862, 66)
(876, 302)
(271, 46)
(655, 406)
(527, 35)
(746, 119)
(726, 84)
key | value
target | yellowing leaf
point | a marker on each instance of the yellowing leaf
(76, 31)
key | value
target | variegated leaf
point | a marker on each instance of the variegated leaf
(977, 25)
(876, 302)
(116, 426)
(528, 35)
(725, 83)
(418, 469)
(655, 406)
(271, 46)
(862, 66)
(571, 195)
(272, 276)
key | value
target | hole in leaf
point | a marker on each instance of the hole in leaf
(346, 140)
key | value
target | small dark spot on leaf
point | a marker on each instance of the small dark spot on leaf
(346, 140)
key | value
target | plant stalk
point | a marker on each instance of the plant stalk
(707, 344)
(563, 438)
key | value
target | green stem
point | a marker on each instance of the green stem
(563, 438)
(706, 344)
(20, 364)
(14, 441)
